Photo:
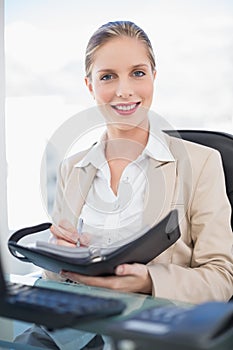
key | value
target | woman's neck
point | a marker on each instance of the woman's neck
(126, 143)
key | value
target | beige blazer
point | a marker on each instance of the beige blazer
(199, 266)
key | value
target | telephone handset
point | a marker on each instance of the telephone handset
(205, 326)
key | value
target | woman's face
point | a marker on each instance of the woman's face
(122, 79)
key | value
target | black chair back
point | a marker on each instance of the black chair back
(222, 142)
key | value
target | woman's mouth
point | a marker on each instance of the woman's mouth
(126, 108)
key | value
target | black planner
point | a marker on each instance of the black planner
(96, 260)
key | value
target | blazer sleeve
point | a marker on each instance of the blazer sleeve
(56, 216)
(59, 196)
(210, 273)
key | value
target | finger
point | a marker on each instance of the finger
(57, 241)
(65, 243)
(85, 239)
(140, 278)
(129, 269)
(88, 280)
(62, 233)
(67, 226)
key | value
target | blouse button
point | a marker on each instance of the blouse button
(126, 180)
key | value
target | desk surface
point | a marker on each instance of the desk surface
(134, 302)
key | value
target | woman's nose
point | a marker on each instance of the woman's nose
(124, 89)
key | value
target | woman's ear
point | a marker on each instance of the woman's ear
(89, 86)
(154, 74)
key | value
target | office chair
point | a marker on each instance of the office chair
(222, 142)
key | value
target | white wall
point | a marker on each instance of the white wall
(5, 325)
(3, 170)
(9, 262)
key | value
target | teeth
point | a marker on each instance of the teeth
(126, 107)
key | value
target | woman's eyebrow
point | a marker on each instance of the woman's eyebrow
(140, 65)
(106, 70)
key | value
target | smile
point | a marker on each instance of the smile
(126, 108)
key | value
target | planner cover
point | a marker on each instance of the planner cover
(93, 260)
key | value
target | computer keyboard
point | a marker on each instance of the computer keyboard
(163, 315)
(72, 307)
(157, 320)
(204, 326)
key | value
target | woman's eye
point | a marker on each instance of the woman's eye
(107, 77)
(138, 73)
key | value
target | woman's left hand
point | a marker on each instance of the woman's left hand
(127, 278)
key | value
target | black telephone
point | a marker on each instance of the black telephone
(206, 326)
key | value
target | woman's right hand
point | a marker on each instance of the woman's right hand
(66, 234)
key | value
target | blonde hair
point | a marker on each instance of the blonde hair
(112, 30)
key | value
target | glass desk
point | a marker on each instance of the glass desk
(133, 301)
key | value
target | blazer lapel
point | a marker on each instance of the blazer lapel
(76, 191)
(160, 190)
(159, 194)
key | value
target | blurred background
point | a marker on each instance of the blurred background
(45, 43)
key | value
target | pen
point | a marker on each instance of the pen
(80, 229)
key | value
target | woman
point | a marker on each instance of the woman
(131, 179)
(162, 173)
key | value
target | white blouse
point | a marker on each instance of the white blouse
(108, 217)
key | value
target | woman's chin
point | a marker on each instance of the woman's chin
(124, 121)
